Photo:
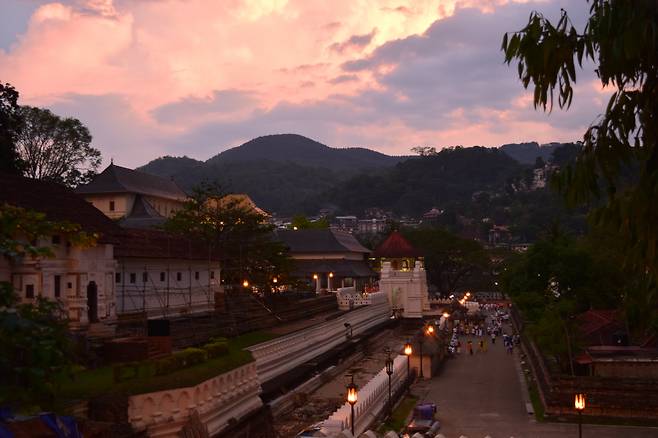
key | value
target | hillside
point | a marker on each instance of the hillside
(417, 184)
(280, 172)
(527, 153)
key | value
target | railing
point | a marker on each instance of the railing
(372, 400)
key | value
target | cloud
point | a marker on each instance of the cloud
(354, 43)
(193, 77)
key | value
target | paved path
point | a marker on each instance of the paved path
(481, 395)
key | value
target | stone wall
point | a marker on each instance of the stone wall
(232, 395)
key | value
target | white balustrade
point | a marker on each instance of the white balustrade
(372, 400)
(280, 355)
(233, 394)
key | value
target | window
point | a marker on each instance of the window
(196, 275)
(163, 276)
(117, 277)
(56, 240)
(58, 286)
(145, 277)
(29, 291)
(179, 276)
(133, 277)
(69, 285)
(212, 275)
(111, 205)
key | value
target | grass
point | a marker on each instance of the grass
(88, 384)
(537, 405)
(397, 420)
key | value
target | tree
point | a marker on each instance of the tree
(618, 163)
(56, 149)
(34, 344)
(449, 259)
(238, 232)
(424, 151)
(10, 127)
(301, 222)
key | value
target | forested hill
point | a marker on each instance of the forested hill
(280, 172)
(289, 174)
(418, 184)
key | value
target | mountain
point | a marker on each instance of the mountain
(527, 153)
(297, 149)
(416, 185)
(279, 172)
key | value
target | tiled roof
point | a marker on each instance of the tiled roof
(117, 179)
(150, 243)
(142, 215)
(58, 203)
(320, 241)
(396, 246)
(592, 321)
(340, 268)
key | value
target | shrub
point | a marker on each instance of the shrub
(125, 371)
(216, 349)
(166, 365)
(190, 356)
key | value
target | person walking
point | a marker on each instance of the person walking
(470, 347)
(493, 338)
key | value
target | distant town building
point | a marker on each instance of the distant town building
(372, 226)
(499, 234)
(346, 223)
(432, 215)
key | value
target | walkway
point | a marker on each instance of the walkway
(481, 395)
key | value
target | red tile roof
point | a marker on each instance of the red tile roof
(592, 321)
(396, 246)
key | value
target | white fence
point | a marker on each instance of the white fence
(372, 399)
(279, 355)
(233, 394)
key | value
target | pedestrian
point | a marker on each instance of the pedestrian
(493, 338)
(470, 347)
(459, 347)
(481, 346)
(484, 344)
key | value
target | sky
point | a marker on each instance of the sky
(195, 77)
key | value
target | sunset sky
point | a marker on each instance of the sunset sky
(195, 77)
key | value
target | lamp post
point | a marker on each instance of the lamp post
(389, 371)
(352, 396)
(245, 284)
(407, 351)
(579, 404)
(429, 331)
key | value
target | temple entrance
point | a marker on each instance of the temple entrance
(92, 301)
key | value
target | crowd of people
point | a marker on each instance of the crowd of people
(477, 330)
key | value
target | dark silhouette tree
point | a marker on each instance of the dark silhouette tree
(618, 164)
(56, 149)
(10, 127)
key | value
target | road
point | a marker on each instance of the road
(482, 395)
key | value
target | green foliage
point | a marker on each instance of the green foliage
(216, 349)
(11, 124)
(301, 222)
(449, 259)
(125, 371)
(617, 164)
(56, 149)
(238, 232)
(34, 342)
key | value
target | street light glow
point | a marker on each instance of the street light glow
(579, 402)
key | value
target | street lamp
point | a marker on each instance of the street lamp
(245, 284)
(429, 331)
(579, 404)
(389, 371)
(352, 396)
(407, 351)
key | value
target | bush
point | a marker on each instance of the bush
(190, 356)
(166, 365)
(216, 349)
(125, 371)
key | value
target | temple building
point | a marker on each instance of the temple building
(136, 199)
(327, 259)
(126, 272)
(402, 276)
